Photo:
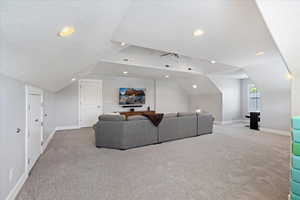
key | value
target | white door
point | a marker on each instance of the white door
(90, 102)
(34, 128)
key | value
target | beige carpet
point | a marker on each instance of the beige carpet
(232, 164)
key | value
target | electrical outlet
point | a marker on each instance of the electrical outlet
(11, 174)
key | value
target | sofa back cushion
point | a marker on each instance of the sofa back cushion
(204, 114)
(170, 115)
(182, 114)
(107, 117)
(112, 113)
(136, 117)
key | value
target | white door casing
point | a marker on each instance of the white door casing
(90, 102)
(34, 119)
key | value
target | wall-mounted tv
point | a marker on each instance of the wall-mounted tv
(132, 96)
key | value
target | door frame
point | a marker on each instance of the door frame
(29, 90)
(100, 82)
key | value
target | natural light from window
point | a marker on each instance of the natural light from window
(253, 98)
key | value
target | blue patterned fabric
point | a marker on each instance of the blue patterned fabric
(296, 123)
(295, 197)
(296, 135)
(295, 171)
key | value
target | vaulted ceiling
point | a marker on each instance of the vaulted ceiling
(233, 29)
(183, 79)
(32, 52)
(282, 19)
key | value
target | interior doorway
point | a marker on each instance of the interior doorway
(90, 102)
(34, 126)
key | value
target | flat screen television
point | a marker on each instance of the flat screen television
(132, 96)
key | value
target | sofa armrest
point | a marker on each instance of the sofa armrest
(109, 134)
(205, 123)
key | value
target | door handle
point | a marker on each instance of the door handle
(36, 120)
(18, 130)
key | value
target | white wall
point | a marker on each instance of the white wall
(111, 87)
(163, 96)
(66, 106)
(12, 106)
(275, 93)
(231, 97)
(295, 96)
(67, 98)
(231, 100)
(275, 109)
(12, 116)
(170, 97)
(282, 20)
(208, 102)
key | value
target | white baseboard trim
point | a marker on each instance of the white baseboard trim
(232, 121)
(48, 140)
(245, 121)
(16, 189)
(61, 128)
(275, 131)
(228, 122)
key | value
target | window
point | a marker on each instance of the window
(253, 98)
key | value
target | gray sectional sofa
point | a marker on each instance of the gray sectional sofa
(115, 131)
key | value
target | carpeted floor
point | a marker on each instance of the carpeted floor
(234, 163)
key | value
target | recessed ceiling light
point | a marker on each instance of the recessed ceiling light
(260, 53)
(125, 72)
(123, 43)
(66, 31)
(198, 110)
(73, 79)
(289, 76)
(125, 59)
(194, 86)
(167, 76)
(198, 32)
(213, 62)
